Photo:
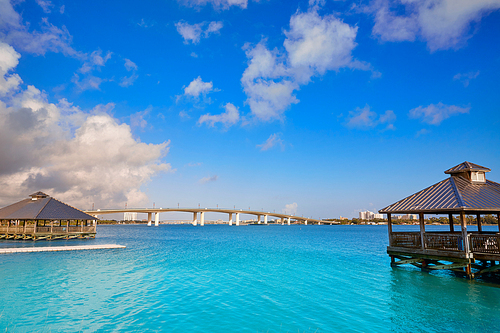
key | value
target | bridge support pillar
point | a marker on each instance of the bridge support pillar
(195, 218)
(230, 218)
(202, 218)
(149, 219)
(265, 219)
(237, 218)
(305, 222)
(157, 219)
(282, 221)
(258, 219)
(288, 221)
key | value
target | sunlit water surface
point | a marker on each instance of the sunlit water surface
(236, 279)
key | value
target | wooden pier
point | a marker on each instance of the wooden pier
(467, 194)
(60, 248)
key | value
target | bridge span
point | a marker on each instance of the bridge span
(155, 213)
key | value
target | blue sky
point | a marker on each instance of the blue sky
(319, 108)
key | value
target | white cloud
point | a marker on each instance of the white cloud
(208, 179)
(217, 4)
(317, 43)
(127, 81)
(194, 32)
(290, 209)
(466, 77)
(9, 59)
(230, 117)
(443, 24)
(314, 44)
(138, 119)
(95, 60)
(197, 87)
(75, 156)
(434, 114)
(45, 4)
(49, 38)
(89, 82)
(272, 141)
(364, 118)
(130, 65)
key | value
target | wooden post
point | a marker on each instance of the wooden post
(422, 230)
(81, 226)
(450, 220)
(463, 224)
(51, 226)
(67, 226)
(389, 227)
(479, 223)
(34, 228)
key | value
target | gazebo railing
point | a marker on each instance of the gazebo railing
(46, 229)
(484, 243)
(444, 241)
(406, 239)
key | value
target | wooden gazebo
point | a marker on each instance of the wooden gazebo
(465, 192)
(43, 217)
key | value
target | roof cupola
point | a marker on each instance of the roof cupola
(470, 171)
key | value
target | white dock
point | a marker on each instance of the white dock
(60, 248)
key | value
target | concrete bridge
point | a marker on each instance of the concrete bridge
(201, 211)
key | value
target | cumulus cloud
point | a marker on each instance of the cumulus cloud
(9, 59)
(228, 118)
(465, 78)
(290, 209)
(208, 179)
(273, 141)
(434, 114)
(365, 118)
(194, 32)
(217, 4)
(443, 24)
(76, 156)
(314, 44)
(197, 87)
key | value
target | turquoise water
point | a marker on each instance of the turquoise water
(236, 279)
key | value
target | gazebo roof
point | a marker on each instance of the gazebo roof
(42, 207)
(455, 194)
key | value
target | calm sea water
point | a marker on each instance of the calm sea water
(236, 279)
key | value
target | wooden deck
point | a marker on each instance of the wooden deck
(60, 248)
(447, 250)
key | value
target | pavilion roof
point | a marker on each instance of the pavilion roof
(42, 207)
(455, 194)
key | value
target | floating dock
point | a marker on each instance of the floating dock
(60, 248)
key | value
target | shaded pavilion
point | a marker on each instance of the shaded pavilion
(466, 192)
(43, 217)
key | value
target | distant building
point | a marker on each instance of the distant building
(343, 218)
(367, 215)
(409, 217)
(129, 216)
